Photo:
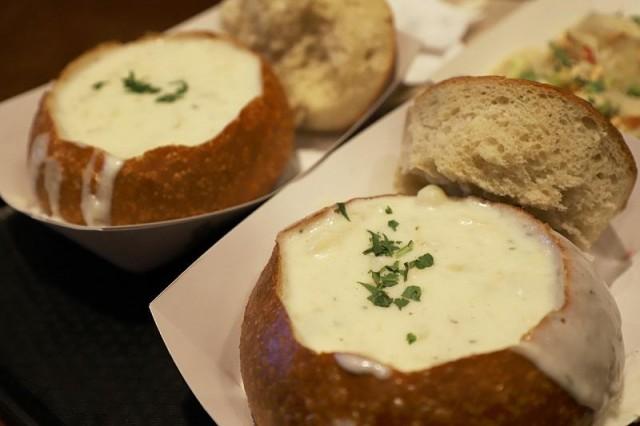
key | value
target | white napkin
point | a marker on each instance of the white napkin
(438, 25)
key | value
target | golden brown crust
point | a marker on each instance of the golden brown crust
(288, 384)
(612, 132)
(240, 164)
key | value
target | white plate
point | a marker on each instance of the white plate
(199, 315)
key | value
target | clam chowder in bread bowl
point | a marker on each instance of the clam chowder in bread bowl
(164, 127)
(402, 310)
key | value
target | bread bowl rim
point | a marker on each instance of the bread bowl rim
(563, 258)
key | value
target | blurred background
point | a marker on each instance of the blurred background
(78, 338)
(40, 36)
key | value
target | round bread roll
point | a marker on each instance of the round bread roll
(428, 310)
(524, 143)
(333, 57)
(165, 127)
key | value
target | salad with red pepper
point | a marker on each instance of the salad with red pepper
(598, 59)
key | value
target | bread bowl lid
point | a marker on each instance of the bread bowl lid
(114, 242)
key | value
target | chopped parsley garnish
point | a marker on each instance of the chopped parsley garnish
(393, 224)
(412, 292)
(384, 277)
(634, 90)
(177, 94)
(381, 245)
(411, 338)
(378, 296)
(372, 288)
(381, 299)
(389, 275)
(133, 85)
(340, 208)
(393, 268)
(594, 86)
(636, 19)
(98, 84)
(424, 261)
(560, 55)
(388, 210)
(405, 271)
(405, 249)
(400, 302)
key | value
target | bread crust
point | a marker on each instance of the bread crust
(577, 193)
(288, 384)
(241, 163)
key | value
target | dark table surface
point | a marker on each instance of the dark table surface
(79, 346)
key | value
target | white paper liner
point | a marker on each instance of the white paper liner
(199, 314)
(145, 246)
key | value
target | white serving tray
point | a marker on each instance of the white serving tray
(146, 246)
(199, 315)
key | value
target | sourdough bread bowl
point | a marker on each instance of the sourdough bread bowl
(521, 142)
(164, 127)
(400, 310)
(333, 57)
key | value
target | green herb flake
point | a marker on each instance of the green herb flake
(595, 86)
(400, 302)
(393, 224)
(393, 268)
(636, 19)
(424, 261)
(177, 94)
(634, 90)
(412, 292)
(560, 55)
(411, 338)
(372, 288)
(381, 299)
(342, 209)
(528, 74)
(98, 85)
(381, 245)
(405, 271)
(376, 278)
(607, 109)
(389, 280)
(384, 277)
(388, 210)
(405, 249)
(133, 85)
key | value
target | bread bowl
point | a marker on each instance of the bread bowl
(522, 142)
(164, 127)
(318, 348)
(334, 57)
